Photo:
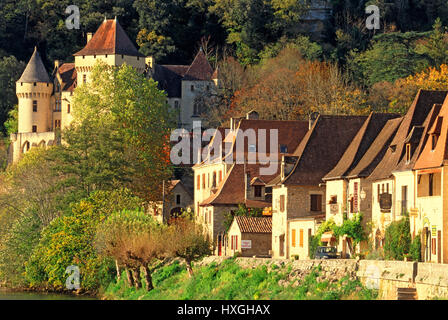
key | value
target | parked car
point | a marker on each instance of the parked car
(326, 253)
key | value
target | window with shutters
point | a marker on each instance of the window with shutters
(293, 238)
(301, 238)
(34, 128)
(316, 202)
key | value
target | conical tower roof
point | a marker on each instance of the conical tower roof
(200, 68)
(35, 70)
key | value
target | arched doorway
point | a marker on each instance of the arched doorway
(26, 147)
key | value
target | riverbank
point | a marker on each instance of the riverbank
(228, 280)
(15, 294)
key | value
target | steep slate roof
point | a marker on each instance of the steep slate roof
(35, 70)
(110, 38)
(290, 133)
(200, 68)
(416, 115)
(322, 147)
(68, 76)
(360, 144)
(254, 224)
(376, 150)
(429, 158)
(170, 78)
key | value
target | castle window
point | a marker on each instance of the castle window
(177, 198)
(34, 128)
(68, 108)
(208, 88)
(35, 84)
(84, 78)
(34, 105)
(192, 88)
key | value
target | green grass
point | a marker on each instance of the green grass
(228, 281)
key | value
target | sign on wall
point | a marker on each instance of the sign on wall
(434, 231)
(246, 244)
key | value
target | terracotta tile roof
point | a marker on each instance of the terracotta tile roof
(169, 78)
(416, 116)
(68, 76)
(200, 68)
(254, 224)
(429, 157)
(360, 144)
(322, 147)
(376, 150)
(110, 38)
(231, 190)
(35, 70)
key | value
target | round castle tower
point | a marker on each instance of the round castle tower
(34, 90)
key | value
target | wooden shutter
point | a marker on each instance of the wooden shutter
(355, 197)
(293, 237)
(282, 203)
(301, 238)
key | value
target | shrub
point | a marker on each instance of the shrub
(397, 239)
(415, 249)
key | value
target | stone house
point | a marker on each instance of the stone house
(249, 236)
(300, 231)
(347, 192)
(297, 191)
(430, 217)
(185, 85)
(178, 197)
(45, 103)
(393, 179)
(224, 182)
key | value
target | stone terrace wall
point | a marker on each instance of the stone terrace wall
(430, 280)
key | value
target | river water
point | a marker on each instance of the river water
(9, 295)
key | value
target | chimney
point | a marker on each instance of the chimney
(312, 118)
(89, 36)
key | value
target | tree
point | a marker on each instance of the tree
(10, 72)
(119, 134)
(187, 240)
(135, 240)
(436, 45)
(69, 240)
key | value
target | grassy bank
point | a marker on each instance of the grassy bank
(229, 281)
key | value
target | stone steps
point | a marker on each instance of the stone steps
(406, 294)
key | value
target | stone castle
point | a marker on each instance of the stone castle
(45, 100)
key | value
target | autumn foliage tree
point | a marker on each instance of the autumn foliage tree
(186, 240)
(288, 87)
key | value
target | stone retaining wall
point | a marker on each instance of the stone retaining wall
(430, 280)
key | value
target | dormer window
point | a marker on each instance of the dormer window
(393, 148)
(283, 148)
(408, 152)
(433, 141)
(257, 191)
